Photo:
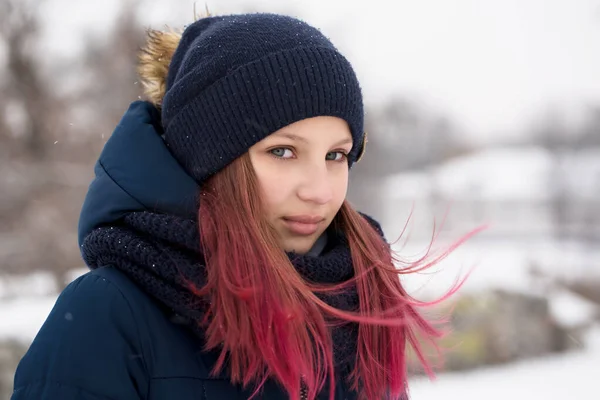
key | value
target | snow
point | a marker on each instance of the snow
(495, 264)
(558, 377)
(500, 264)
(520, 65)
(76, 273)
(489, 174)
(26, 301)
(503, 173)
(584, 173)
(36, 284)
(22, 318)
(570, 310)
(513, 186)
(408, 185)
(510, 188)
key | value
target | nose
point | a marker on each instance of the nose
(316, 186)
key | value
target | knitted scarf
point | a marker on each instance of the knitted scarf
(160, 252)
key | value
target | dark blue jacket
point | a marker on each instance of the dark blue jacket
(106, 339)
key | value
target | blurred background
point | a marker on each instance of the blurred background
(478, 112)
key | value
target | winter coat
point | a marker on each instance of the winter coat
(105, 338)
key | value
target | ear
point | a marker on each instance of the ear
(153, 62)
(363, 147)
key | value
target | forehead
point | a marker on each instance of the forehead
(321, 128)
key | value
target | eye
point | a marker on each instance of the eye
(282, 152)
(335, 156)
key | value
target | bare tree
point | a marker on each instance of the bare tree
(23, 84)
(111, 64)
(44, 158)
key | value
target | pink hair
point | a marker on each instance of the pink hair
(269, 323)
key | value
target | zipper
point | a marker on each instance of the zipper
(303, 391)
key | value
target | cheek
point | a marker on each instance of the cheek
(266, 178)
(340, 188)
(275, 189)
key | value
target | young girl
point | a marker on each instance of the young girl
(225, 260)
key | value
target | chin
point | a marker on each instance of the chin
(299, 245)
(297, 249)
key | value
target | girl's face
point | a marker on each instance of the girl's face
(303, 173)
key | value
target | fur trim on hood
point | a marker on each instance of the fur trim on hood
(155, 57)
(153, 63)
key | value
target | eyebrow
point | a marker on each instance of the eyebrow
(291, 136)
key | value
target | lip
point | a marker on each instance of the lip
(303, 224)
(305, 219)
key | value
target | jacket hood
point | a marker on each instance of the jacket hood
(136, 172)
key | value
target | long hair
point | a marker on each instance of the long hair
(268, 321)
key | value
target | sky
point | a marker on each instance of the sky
(492, 66)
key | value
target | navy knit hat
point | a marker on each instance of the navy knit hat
(233, 80)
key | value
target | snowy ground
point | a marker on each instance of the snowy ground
(568, 376)
(560, 377)
(502, 264)
(24, 304)
(22, 317)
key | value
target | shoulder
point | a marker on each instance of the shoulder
(90, 340)
(99, 300)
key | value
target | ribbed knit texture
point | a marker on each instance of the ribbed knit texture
(159, 251)
(234, 80)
